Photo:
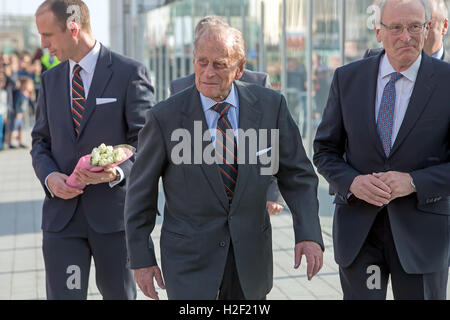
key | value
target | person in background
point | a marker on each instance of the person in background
(3, 109)
(21, 104)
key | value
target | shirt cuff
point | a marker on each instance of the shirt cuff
(46, 185)
(114, 183)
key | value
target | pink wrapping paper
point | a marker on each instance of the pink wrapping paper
(85, 163)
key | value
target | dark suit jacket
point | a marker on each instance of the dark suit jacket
(57, 148)
(373, 52)
(259, 78)
(198, 221)
(420, 221)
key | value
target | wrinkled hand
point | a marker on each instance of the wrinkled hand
(399, 182)
(371, 189)
(273, 207)
(56, 182)
(144, 279)
(88, 178)
(314, 257)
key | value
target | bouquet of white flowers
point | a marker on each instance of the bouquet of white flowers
(106, 155)
(101, 158)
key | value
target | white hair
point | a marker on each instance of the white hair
(382, 3)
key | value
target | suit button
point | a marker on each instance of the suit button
(222, 244)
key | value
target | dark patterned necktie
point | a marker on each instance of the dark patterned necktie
(226, 149)
(78, 98)
(386, 113)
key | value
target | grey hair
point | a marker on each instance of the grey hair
(223, 32)
(209, 21)
(380, 4)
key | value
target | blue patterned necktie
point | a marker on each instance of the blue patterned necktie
(386, 114)
(226, 148)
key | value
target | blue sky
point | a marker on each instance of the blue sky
(99, 14)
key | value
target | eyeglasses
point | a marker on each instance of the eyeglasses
(397, 29)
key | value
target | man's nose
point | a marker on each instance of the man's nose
(405, 35)
(209, 71)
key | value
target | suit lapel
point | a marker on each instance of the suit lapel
(193, 112)
(63, 78)
(102, 75)
(419, 99)
(369, 89)
(249, 118)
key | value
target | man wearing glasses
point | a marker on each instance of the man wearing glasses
(434, 44)
(390, 115)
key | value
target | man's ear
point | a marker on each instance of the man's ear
(240, 70)
(377, 32)
(74, 28)
(445, 27)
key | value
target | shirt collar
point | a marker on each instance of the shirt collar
(386, 69)
(89, 61)
(439, 53)
(232, 99)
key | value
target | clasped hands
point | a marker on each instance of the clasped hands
(57, 181)
(381, 188)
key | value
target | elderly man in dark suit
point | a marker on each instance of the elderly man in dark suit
(389, 115)
(434, 43)
(216, 238)
(275, 202)
(84, 102)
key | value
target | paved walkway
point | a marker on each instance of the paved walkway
(22, 275)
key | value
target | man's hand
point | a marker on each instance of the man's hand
(88, 178)
(371, 189)
(314, 257)
(399, 182)
(56, 182)
(273, 207)
(144, 279)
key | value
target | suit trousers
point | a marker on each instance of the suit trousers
(367, 277)
(67, 257)
(230, 288)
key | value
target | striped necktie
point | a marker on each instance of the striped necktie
(226, 149)
(386, 114)
(78, 98)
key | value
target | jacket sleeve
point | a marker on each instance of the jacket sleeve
(141, 203)
(297, 180)
(329, 146)
(43, 162)
(140, 98)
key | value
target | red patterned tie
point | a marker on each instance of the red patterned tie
(226, 149)
(78, 98)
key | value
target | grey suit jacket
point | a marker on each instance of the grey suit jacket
(57, 148)
(198, 222)
(259, 78)
(420, 221)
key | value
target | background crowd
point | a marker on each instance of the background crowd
(20, 77)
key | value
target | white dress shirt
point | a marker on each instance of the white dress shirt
(87, 64)
(403, 89)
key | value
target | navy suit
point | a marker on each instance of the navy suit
(420, 221)
(56, 148)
